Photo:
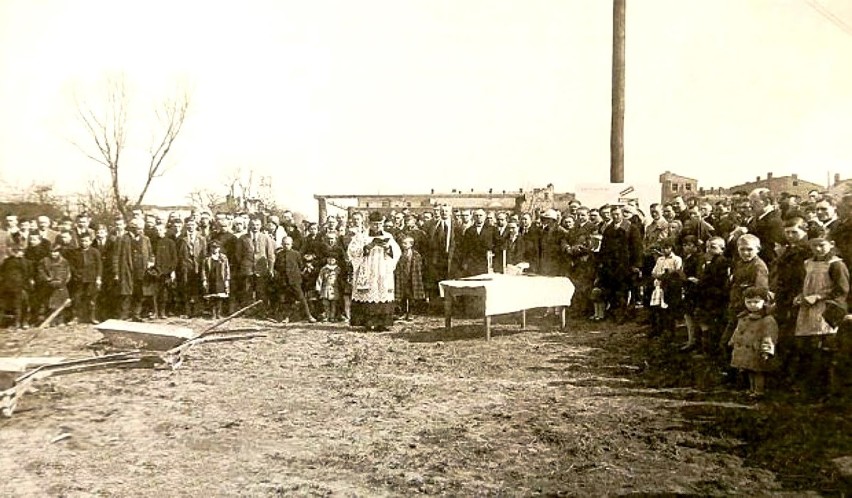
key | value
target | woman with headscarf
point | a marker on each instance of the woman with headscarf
(374, 254)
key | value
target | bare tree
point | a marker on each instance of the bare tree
(247, 190)
(206, 198)
(106, 127)
(99, 202)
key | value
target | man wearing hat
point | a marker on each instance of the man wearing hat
(551, 261)
(513, 248)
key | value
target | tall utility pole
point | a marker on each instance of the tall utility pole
(616, 137)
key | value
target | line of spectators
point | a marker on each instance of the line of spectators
(688, 261)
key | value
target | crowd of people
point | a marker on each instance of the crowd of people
(758, 280)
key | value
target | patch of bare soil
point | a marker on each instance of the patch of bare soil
(327, 410)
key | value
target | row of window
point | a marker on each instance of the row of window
(387, 203)
(688, 186)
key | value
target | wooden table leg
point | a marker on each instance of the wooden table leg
(487, 328)
(448, 308)
(523, 319)
(562, 317)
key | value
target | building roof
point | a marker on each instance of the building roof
(483, 195)
(668, 175)
(842, 187)
(791, 183)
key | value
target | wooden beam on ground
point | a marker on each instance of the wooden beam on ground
(55, 313)
(230, 317)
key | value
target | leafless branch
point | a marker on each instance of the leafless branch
(107, 129)
(171, 114)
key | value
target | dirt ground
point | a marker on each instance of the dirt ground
(325, 410)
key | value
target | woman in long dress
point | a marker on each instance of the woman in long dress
(374, 254)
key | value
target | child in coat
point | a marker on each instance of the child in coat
(711, 294)
(668, 288)
(408, 277)
(86, 274)
(288, 276)
(310, 272)
(754, 339)
(216, 278)
(16, 280)
(824, 293)
(748, 271)
(788, 275)
(328, 288)
(54, 273)
(692, 260)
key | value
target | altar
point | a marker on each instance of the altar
(508, 294)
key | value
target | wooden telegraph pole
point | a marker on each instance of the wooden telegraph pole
(616, 138)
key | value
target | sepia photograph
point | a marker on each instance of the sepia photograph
(391, 248)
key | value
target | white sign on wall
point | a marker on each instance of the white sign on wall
(598, 194)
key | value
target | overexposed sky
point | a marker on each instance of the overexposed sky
(408, 95)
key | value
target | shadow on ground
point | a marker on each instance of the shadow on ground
(794, 431)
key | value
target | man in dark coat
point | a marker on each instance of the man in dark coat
(132, 258)
(532, 237)
(312, 240)
(842, 233)
(445, 238)
(552, 256)
(106, 302)
(512, 249)
(420, 238)
(766, 224)
(191, 251)
(292, 229)
(86, 273)
(228, 241)
(478, 246)
(620, 259)
(255, 263)
(163, 278)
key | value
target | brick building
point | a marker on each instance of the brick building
(673, 185)
(840, 187)
(777, 184)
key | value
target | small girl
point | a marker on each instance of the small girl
(668, 288)
(824, 292)
(748, 271)
(328, 288)
(754, 339)
(216, 278)
(409, 277)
